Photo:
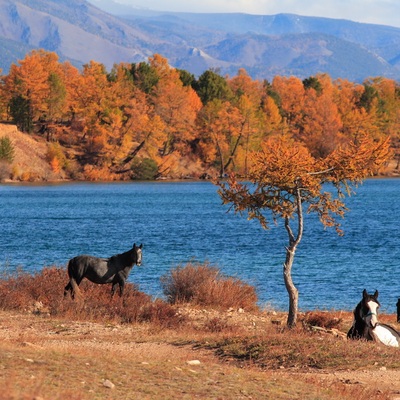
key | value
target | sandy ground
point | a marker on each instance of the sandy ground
(38, 332)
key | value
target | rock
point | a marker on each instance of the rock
(38, 308)
(108, 384)
(193, 362)
(29, 344)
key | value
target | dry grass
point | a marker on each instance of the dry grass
(204, 285)
(30, 162)
(322, 319)
(43, 292)
(57, 348)
(299, 349)
(56, 359)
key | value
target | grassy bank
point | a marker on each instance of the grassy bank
(98, 347)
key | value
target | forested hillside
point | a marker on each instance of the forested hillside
(148, 120)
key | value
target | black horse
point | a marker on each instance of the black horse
(366, 325)
(113, 270)
(365, 317)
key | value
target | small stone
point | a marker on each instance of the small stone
(108, 384)
(382, 369)
(193, 362)
(29, 344)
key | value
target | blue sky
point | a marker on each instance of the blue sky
(386, 12)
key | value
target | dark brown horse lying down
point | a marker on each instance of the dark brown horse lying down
(114, 270)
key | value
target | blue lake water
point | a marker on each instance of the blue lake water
(180, 222)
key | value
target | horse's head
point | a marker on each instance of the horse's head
(137, 251)
(369, 308)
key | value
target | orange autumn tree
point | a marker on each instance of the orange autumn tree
(221, 126)
(285, 179)
(177, 106)
(321, 123)
(146, 130)
(36, 90)
(93, 105)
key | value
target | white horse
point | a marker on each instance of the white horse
(366, 326)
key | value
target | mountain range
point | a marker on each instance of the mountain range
(265, 45)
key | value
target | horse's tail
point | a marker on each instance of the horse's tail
(72, 268)
(77, 268)
(75, 287)
(75, 276)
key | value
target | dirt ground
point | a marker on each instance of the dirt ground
(384, 379)
(27, 341)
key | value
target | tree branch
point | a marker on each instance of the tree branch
(321, 172)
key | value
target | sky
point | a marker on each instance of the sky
(384, 12)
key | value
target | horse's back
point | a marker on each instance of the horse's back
(80, 264)
(387, 335)
(93, 268)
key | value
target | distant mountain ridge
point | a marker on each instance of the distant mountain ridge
(265, 45)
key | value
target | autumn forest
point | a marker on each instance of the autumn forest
(149, 120)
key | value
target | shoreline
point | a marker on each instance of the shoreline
(166, 180)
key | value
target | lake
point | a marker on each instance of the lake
(181, 222)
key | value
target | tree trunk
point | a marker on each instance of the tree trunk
(133, 153)
(287, 266)
(230, 159)
(290, 287)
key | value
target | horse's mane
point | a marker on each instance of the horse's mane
(124, 257)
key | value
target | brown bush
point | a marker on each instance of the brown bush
(43, 292)
(321, 319)
(205, 286)
(217, 325)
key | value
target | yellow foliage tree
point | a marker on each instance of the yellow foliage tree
(177, 106)
(285, 177)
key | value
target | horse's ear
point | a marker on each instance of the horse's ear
(141, 246)
(376, 294)
(134, 246)
(365, 294)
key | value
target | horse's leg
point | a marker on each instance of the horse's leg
(118, 280)
(121, 287)
(113, 287)
(73, 287)
(67, 289)
(70, 288)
